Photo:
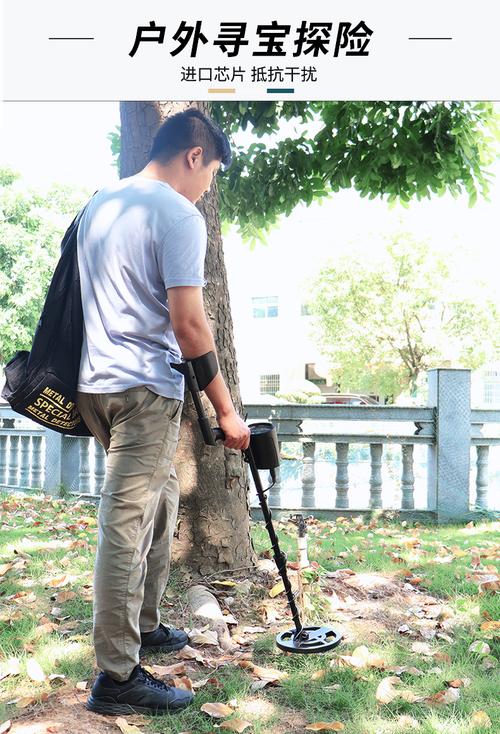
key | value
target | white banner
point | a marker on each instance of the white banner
(123, 50)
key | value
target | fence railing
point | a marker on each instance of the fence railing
(32, 457)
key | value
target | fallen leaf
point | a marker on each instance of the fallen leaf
(423, 648)
(161, 670)
(270, 674)
(45, 629)
(325, 726)
(459, 683)
(493, 625)
(217, 710)
(11, 666)
(34, 670)
(481, 718)
(224, 583)
(237, 725)
(5, 567)
(5, 727)
(319, 674)
(125, 727)
(386, 692)
(450, 695)
(489, 662)
(189, 653)
(480, 647)
(408, 722)
(65, 596)
(59, 581)
(82, 685)
(278, 588)
(209, 637)
(442, 657)
(57, 676)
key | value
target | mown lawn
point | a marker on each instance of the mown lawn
(372, 581)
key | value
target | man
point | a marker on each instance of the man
(141, 250)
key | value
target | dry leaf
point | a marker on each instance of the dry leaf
(278, 588)
(22, 597)
(224, 583)
(161, 670)
(56, 676)
(60, 581)
(480, 647)
(65, 596)
(319, 674)
(423, 648)
(385, 691)
(5, 567)
(209, 637)
(489, 662)
(253, 630)
(11, 666)
(408, 722)
(269, 674)
(442, 657)
(237, 725)
(493, 625)
(82, 685)
(125, 727)
(24, 701)
(217, 710)
(450, 695)
(324, 726)
(481, 718)
(404, 630)
(34, 670)
(45, 629)
(189, 653)
(5, 727)
(459, 683)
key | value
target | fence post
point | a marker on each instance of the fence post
(448, 465)
(70, 463)
(52, 474)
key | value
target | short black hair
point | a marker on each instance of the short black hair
(186, 130)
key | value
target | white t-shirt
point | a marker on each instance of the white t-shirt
(137, 238)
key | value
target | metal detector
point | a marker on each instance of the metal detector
(263, 453)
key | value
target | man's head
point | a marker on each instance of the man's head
(192, 146)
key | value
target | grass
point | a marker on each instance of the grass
(53, 541)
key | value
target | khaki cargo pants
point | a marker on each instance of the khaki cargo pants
(136, 521)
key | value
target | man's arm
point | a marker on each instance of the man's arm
(194, 336)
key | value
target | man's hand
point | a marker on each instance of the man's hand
(236, 431)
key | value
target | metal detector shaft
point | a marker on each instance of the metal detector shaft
(279, 556)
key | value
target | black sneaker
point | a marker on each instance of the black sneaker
(163, 638)
(142, 693)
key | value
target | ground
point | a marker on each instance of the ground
(417, 608)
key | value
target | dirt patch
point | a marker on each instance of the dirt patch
(65, 713)
(369, 604)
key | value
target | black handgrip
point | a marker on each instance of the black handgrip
(219, 434)
(206, 431)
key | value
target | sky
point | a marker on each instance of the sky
(67, 142)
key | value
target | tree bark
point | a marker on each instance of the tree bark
(213, 528)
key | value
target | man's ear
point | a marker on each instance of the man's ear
(194, 154)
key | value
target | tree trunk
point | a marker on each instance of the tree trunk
(213, 530)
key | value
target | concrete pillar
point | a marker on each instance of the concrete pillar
(448, 464)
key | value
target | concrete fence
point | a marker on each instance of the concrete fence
(31, 457)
